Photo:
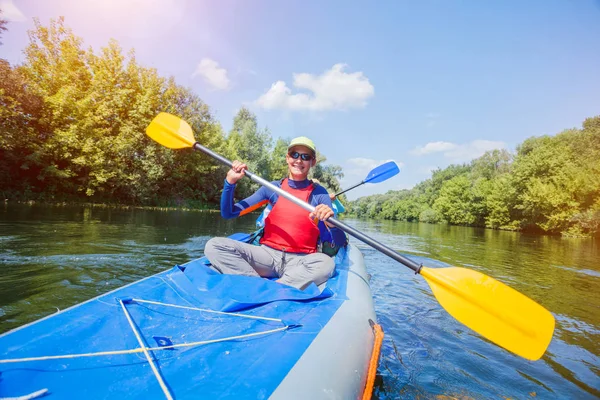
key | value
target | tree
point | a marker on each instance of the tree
(500, 203)
(430, 189)
(55, 70)
(491, 163)
(551, 185)
(277, 164)
(19, 115)
(328, 176)
(455, 201)
(250, 145)
(78, 120)
(556, 178)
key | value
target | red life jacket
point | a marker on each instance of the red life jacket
(288, 227)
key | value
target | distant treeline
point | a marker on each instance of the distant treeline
(72, 128)
(551, 185)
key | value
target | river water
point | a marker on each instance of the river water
(54, 257)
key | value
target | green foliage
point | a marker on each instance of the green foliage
(73, 123)
(557, 178)
(328, 176)
(500, 201)
(492, 164)
(247, 143)
(277, 165)
(551, 185)
(19, 130)
(455, 201)
(73, 126)
(429, 216)
(429, 189)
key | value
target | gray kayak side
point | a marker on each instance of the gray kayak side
(335, 365)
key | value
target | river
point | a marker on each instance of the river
(55, 257)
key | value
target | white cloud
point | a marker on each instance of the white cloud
(334, 89)
(213, 74)
(434, 147)
(11, 12)
(459, 152)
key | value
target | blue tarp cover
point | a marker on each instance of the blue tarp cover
(249, 368)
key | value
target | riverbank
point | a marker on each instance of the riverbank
(189, 206)
(530, 231)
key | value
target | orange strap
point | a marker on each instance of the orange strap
(254, 207)
(378, 332)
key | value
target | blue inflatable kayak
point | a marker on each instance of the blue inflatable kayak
(190, 332)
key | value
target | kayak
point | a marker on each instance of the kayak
(190, 332)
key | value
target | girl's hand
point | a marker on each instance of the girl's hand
(236, 172)
(322, 213)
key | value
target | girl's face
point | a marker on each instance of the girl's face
(299, 166)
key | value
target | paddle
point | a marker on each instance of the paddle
(492, 309)
(377, 174)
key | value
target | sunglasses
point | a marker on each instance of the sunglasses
(303, 156)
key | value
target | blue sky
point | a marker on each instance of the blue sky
(424, 83)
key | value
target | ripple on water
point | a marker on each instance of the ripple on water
(588, 272)
(7, 238)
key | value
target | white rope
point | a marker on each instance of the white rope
(143, 347)
(30, 396)
(139, 350)
(208, 311)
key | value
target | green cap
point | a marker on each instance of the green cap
(303, 141)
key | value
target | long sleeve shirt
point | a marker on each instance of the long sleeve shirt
(265, 195)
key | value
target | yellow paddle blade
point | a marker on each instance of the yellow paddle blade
(171, 131)
(492, 309)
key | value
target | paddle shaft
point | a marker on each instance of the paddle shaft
(348, 229)
(351, 187)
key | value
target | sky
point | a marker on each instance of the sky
(424, 83)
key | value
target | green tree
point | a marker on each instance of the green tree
(491, 164)
(557, 178)
(455, 201)
(277, 164)
(19, 115)
(188, 174)
(55, 70)
(551, 185)
(86, 139)
(430, 189)
(500, 203)
(247, 143)
(328, 176)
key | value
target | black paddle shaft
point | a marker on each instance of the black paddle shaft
(348, 229)
(351, 187)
